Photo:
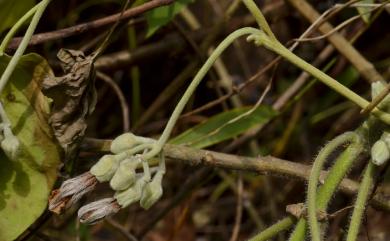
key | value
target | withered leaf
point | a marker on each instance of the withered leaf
(74, 98)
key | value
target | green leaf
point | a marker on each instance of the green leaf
(200, 137)
(365, 13)
(11, 11)
(160, 16)
(25, 183)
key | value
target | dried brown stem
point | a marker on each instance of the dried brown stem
(237, 220)
(83, 27)
(364, 67)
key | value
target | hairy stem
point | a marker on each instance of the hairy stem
(361, 201)
(327, 190)
(273, 230)
(299, 232)
(315, 174)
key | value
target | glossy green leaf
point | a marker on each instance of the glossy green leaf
(25, 183)
(204, 134)
(160, 16)
(11, 11)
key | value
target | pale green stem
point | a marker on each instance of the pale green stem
(327, 190)
(315, 175)
(23, 45)
(269, 40)
(361, 200)
(135, 150)
(324, 78)
(16, 27)
(299, 232)
(195, 82)
(4, 118)
(276, 228)
(259, 17)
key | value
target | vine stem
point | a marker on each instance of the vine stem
(278, 48)
(273, 230)
(361, 201)
(194, 84)
(315, 174)
(23, 45)
(16, 27)
(259, 17)
(268, 39)
(326, 191)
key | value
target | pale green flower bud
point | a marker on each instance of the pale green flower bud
(105, 168)
(152, 191)
(125, 175)
(380, 153)
(123, 142)
(10, 144)
(132, 194)
(386, 138)
(127, 141)
(376, 88)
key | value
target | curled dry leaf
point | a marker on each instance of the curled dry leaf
(74, 98)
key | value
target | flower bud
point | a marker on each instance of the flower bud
(125, 175)
(380, 153)
(152, 191)
(71, 191)
(105, 168)
(123, 142)
(376, 88)
(96, 211)
(10, 144)
(127, 141)
(132, 194)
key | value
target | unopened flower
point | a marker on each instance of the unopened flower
(71, 191)
(132, 194)
(125, 175)
(10, 144)
(380, 153)
(96, 211)
(105, 168)
(127, 141)
(152, 191)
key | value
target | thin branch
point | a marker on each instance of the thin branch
(121, 229)
(338, 27)
(365, 68)
(121, 97)
(237, 221)
(83, 27)
(267, 165)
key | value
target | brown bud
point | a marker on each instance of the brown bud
(71, 191)
(96, 211)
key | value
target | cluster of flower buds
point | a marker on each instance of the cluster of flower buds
(120, 170)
